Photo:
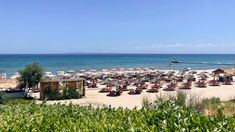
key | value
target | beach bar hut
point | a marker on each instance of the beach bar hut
(76, 83)
(54, 85)
(218, 71)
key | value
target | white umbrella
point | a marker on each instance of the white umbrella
(122, 68)
(93, 70)
(146, 69)
(104, 70)
(70, 71)
(67, 75)
(80, 74)
(60, 72)
(82, 70)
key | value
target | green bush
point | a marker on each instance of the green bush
(161, 116)
(71, 93)
(18, 101)
(30, 76)
(52, 94)
(67, 93)
(3, 98)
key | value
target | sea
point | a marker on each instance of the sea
(12, 63)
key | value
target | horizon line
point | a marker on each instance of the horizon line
(103, 53)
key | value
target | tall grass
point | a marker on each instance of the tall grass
(145, 102)
(180, 98)
(211, 106)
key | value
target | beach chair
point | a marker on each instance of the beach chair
(135, 91)
(227, 82)
(116, 92)
(214, 83)
(145, 86)
(187, 85)
(138, 91)
(201, 83)
(107, 89)
(131, 91)
(155, 88)
(171, 86)
(124, 87)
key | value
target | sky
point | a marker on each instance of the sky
(117, 26)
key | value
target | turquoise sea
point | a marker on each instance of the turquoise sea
(54, 62)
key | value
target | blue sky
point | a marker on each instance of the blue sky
(117, 26)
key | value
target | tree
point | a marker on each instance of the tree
(30, 76)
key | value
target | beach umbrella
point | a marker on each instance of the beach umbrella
(71, 71)
(193, 72)
(67, 75)
(218, 71)
(146, 69)
(60, 73)
(82, 70)
(80, 74)
(93, 70)
(104, 70)
(203, 76)
(122, 69)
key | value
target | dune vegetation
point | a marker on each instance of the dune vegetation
(168, 115)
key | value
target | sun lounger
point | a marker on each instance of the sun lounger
(214, 83)
(187, 85)
(106, 90)
(171, 87)
(227, 82)
(116, 92)
(135, 91)
(201, 84)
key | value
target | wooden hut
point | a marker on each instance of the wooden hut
(54, 86)
(218, 71)
(76, 83)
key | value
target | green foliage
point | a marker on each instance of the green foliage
(31, 75)
(67, 93)
(71, 93)
(214, 101)
(145, 102)
(18, 101)
(3, 98)
(52, 94)
(181, 98)
(161, 116)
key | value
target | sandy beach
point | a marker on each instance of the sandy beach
(93, 97)
(8, 84)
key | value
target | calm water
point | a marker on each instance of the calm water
(12, 63)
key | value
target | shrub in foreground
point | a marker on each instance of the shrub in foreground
(162, 116)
